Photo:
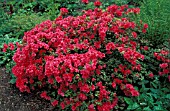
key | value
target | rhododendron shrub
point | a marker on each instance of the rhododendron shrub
(88, 60)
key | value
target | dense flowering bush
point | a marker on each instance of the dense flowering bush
(84, 61)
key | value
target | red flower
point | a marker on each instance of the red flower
(151, 75)
(54, 103)
(136, 10)
(118, 81)
(97, 3)
(98, 71)
(110, 46)
(85, 88)
(62, 105)
(12, 47)
(129, 86)
(63, 11)
(163, 65)
(50, 80)
(114, 102)
(145, 48)
(134, 93)
(85, 1)
(145, 26)
(144, 30)
(119, 13)
(5, 46)
(113, 84)
(58, 79)
(68, 77)
(82, 96)
(45, 96)
(93, 87)
(134, 34)
(91, 107)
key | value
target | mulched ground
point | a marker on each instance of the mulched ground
(11, 99)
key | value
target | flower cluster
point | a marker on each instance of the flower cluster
(69, 56)
(11, 46)
(163, 56)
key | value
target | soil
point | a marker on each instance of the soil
(11, 99)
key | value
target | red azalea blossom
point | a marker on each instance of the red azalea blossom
(163, 65)
(134, 34)
(11, 45)
(134, 93)
(85, 88)
(63, 11)
(97, 3)
(129, 86)
(113, 84)
(151, 75)
(85, 1)
(91, 107)
(54, 103)
(5, 46)
(82, 96)
(145, 26)
(45, 96)
(62, 105)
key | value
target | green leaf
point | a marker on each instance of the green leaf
(13, 76)
(128, 100)
(167, 96)
(12, 81)
(158, 108)
(147, 109)
(154, 90)
(134, 106)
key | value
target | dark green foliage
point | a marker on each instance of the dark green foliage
(157, 14)
(20, 23)
(154, 96)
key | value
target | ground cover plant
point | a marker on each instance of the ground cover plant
(95, 61)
